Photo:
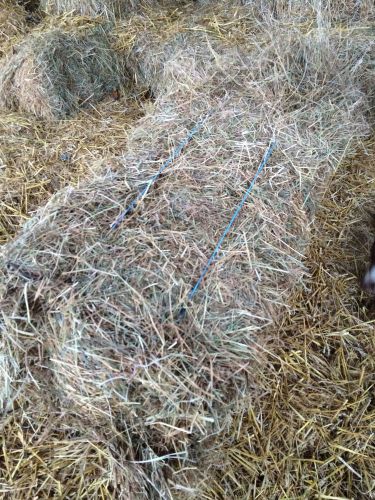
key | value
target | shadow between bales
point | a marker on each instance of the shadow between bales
(29, 5)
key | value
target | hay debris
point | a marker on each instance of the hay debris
(38, 158)
(12, 23)
(46, 454)
(53, 73)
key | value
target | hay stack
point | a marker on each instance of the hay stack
(54, 72)
(102, 304)
(12, 22)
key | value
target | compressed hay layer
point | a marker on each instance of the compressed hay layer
(101, 304)
(12, 22)
(53, 73)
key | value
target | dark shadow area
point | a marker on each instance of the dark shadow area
(29, 5)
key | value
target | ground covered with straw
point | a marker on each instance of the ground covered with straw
(264, 388)
(39, 158)
(12, 23)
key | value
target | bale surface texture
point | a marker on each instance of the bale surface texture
(109, 9)
(53, 73)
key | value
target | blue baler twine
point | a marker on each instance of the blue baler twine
(175, 153)
(263, 163)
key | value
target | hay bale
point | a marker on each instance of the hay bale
(53, 73)
(12, 22)
(102, 304)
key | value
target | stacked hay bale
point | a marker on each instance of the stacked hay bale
(52, 73)
(102, 303)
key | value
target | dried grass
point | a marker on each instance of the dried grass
(12, 23)
(107, 8)
(47, 454)
(54, 72)
(95, 310)
(309, 430)
(38, 158)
